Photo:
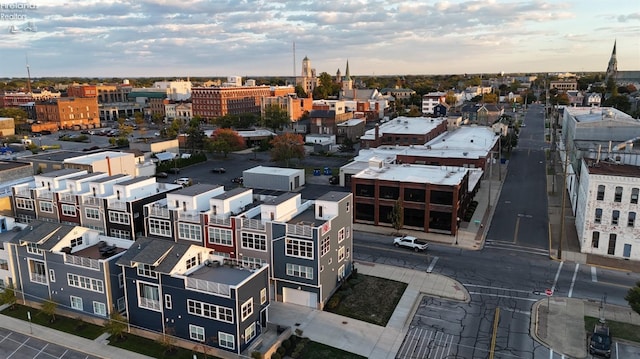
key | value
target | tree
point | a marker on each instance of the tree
(620, 102)
(450, 98)
(301, 92)
(172, 131)
(168, 340)
(489, 98)
(243, 120)
(195, 135)
(633, 298)
(396, 216)
(8, 296)
(226, 140)
(347, 145)
(287, 147)
(326, 87)
(49, 308)
(117, 325)
(275, 117)
(157, 119)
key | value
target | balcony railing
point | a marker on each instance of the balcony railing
(23, 192)
(68, 198)
(252, 224)
(38, 278)
(45, 195)
(149, 303)
(302, 230)
(82, 262)
(191, 216)
(119, 205)
(219, 220)
(158, 212)
(214, 288)
(92, 201)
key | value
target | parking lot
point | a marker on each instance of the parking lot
(15, 345)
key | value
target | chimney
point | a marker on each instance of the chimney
(377, 132)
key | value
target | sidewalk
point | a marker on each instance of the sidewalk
(562, 327)
(369, 340)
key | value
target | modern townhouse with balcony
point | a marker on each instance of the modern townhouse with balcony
(37, 199)
(183, 290)
(124, 208)
(73, 266)
(311, 245)
(180, 215)
(221, 222)
(92, 201)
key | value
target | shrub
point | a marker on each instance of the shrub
(256, 355)
(276, 356)
(333, 302)
(281, 351)
(297, 352)
(286, 344)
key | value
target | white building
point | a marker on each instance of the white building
(607, 208)
(179, 90)
(430, 100)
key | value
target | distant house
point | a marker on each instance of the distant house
(482, 113)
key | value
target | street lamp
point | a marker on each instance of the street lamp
(457, 228)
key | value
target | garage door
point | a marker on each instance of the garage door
(299, 297)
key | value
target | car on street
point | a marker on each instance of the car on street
(410, 242)
(334, 180)
(218, 170)
(600, 342)
(238, 180)
(184, 181)
(162, 175)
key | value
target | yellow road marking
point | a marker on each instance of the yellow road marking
(496, 320)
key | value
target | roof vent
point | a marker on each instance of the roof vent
(472, 140)
(465, 153)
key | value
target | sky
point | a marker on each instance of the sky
(219, 38)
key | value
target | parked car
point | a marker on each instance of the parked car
(334, 180)
(162, 175)
(410, 242)
(600, 342)
(174, 170)
(218, 170)
(184, 181)
(238, 180)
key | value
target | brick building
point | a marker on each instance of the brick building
(67, 113)
(214, 102)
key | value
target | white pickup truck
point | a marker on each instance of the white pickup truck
(410, 242)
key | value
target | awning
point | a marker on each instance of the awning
(164, 156)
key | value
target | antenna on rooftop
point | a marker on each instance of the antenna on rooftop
(294, 60)
(28, 74)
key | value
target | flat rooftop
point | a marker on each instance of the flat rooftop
(274, 170)
(222, 274)
(8, 165)
(597, 114)
(439, 175)
(57, 156)
(405, 126)
(196, 189)
(88, 159)
(612, 169)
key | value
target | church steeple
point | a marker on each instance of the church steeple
(347, 76)
(612, 68)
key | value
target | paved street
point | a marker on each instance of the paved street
(15, 345)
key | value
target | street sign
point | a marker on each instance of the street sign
(548, 292)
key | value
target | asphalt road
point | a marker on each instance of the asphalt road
(19, 346)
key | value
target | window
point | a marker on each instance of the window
(341, 235)
(33, 248)
(595, 239)
(119, 233)
(325, 246)
(193, 261)
(220, 236)
(191, 232)
(632, 219)
(299, 248)
(615, 216)
(247, 309)
(296, 270)
(76, 303)
(121, 304)
(341, 272)
(52, 275)
(612, 244)
(348, 230)
(76, 242)
(250, 332)
(210, 311)
(120, 280)
(348, 204)
(634, 195)
(146, 270)
(37, 271)
(600, 193)
(598, 218)
(148, 296)
(99, 308)
(159, 227)
(92, 213)
(618, 195)
(263, 296)
(118, 217)
(167, 301)
(69, 210)
(348, 253)
(78, 281)
(226, 340)
(4, 264)
(254, 241)
(46, 207)
(23, 203)
(252, 262)
(196, 333)
(341, 254)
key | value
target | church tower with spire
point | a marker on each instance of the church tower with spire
(347, 83)
(612, 68)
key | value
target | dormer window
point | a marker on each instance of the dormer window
(118, 194)
(215, 210)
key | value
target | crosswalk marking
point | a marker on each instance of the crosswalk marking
(425, 343)
(510, 246)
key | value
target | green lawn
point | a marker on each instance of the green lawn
(153, 348)
(303, 348)
(63, 324)
(618, 330)
(367, 298)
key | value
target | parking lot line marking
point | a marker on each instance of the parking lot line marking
(505, 296)
(18, 348)
(573, 281)
(617, 350)
(5, 337)
(524, 312)
(432, 264)
(41, 350)
(515, 232)
(594, 276)
(65, 353)
(497, 288)
(555, 280)
(550, 353)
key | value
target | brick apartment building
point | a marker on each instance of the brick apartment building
(67, 113)
(214, 102)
